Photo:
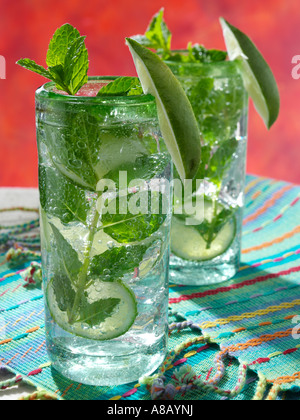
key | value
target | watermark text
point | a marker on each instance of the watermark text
(151, 197)
(2, 67)
(296, 68)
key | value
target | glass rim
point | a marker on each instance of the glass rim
(46, 91)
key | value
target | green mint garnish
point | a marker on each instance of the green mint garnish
(95, 313)
(60, 43)
(36, 68)
(73, 275)
(145, 167)
(68, 201)
(133, 227)
(67, 284)
(122, 86)
(67, 60)
(158, 37)
(64, 292)
(109, 262)
(73, 170)
(199, 54)
(68, 264)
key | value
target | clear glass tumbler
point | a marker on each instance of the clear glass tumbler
(104, 182)
(207, 249)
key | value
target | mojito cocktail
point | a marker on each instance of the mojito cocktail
(208, 250)
(208, 206)
(105, 197)
(105, 175)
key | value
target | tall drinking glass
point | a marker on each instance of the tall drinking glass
(104, 182)
(207, 250)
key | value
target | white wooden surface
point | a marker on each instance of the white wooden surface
(16, 197)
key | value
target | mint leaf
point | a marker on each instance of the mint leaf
(36, 68)
(217, 109)
(226, 105)
(76, 65)
(66, 258)
(63, 199)
(63, 291)
(90, 313)
(215, 225)
(60, 43)
(57, 75)
(206, 152)
(67, 60)
(221, 160)
(217, 55)
(158, 32)
(157, 35)
(199, 54)
(135, 90)
(115, 263)
(196, 54)
(95, 313)
(74, 147)
(201, 90)
(209, 230)
(145, 167)
(129, 227)
(215, 161)
(122, 86)
(222, 218)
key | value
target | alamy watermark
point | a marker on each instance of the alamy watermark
(296, 68)
(2, 67)
(139, 197)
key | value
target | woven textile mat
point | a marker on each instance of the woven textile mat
(237, 340)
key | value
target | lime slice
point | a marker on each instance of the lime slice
(109, 310)
(176, 118)
(258, 78)
(187, 242)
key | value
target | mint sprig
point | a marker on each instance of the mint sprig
(67, 60)
(33, 66)
(68, 201)
(122, 86)
(199, 54)
(157, 35)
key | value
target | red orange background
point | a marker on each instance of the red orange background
(26, 27)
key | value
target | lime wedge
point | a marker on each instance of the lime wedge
(176, 118)
(109, 310)
(258, 78)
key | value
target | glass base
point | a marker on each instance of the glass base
(107, 369)
(193, 273)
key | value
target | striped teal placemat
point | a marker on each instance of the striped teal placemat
(236, 340)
